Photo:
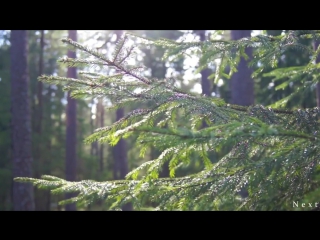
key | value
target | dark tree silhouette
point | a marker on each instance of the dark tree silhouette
(120, 150)
(242, 91)
(71, 135)
(23, 196)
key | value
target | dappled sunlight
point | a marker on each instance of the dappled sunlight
(201, 120)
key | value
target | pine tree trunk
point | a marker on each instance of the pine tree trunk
(120, 158)
(120, 150)
(101, 165)
(242, 91)
(40, 84)
(96, 145)
(94, 125)
(23, 196)
(41, 200)
(48, 143)
(242, 86)
(71, 130)
(205, 82)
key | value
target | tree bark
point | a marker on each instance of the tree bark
(101, 165)
(205, 83)
(94, 124)
(71, 130)
(93, 127)
(242, 85)
(120, 158)
(42, 198)
(23, 195)
(242, 91)
(48, 144)
(120, 150)
(40, 84)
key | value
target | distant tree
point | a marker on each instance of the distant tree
(241, 82)
(94, 149)
(23, 196)
(5, 129)
(120, 150)
(158, 69)
(42, 199)
(101, 150)
(242, 86)
(71, 131)
(40, 84)
(92, 128)
(205, 82)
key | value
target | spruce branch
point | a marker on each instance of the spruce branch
(101, 57)
(272, 152)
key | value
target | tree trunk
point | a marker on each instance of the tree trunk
(316, 44)
(94, 124)
(41, 197)
(120, 158)
(23, 198)
(48, 145)
(71, 130)
(101, 145)
(120, 150)
(96, 145)
(242, 91)
(205, 82)
(40, 84)
(242, 86)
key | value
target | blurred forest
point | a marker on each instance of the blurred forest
(59, 124)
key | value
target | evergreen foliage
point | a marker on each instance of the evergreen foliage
(272, 152)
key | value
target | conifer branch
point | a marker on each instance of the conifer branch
(272, 152)
(101, 57)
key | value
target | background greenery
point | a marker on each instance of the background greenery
(96, 161)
